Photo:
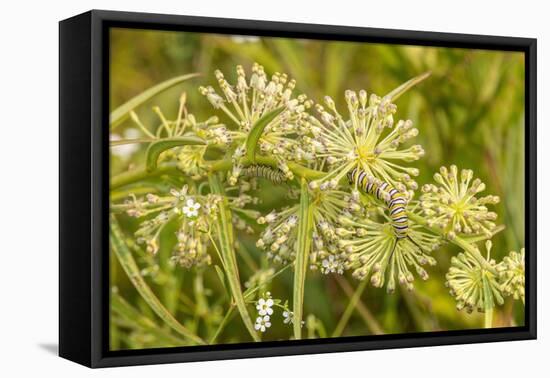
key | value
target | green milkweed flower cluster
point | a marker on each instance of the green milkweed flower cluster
(336, 226)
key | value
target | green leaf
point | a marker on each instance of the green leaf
(221, 276)
(256, 132)
(305, 230)
(121, 113)
(397, 92)
(224, 231)
(124, 256)
(156, 148)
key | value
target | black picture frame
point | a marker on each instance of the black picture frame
(84, 180)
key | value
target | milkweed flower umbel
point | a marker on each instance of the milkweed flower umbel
(368, 140)
(194, 214)
(473, 285)
(452, 204)
(375, 252)
(248, 100)
(512, 275)
(279, 237)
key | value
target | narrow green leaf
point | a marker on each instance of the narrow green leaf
(221, 276)
(305, 229)
(257, 130)
(129, 265)
(489, 303)
(397, 92)
(121, 113)
(224, 230)
(135, 318)
(156, 148)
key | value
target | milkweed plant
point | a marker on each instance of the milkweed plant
(354, 202)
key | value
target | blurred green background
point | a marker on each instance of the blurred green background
(470, 112)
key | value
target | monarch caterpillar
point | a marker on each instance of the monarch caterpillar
(276, 176)
(395, 200)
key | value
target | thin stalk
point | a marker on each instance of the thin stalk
(138, 174)
(129, 265)
(231, 311)
(305, 229)
(297, 169)
(457, 241)
(369, 319)
(354, 300)
(114, 143)
(136, 320)
(224, 229)
(488, 321)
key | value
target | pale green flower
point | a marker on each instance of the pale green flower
(368, 139)
(452, 204)
(374, 251)
(248, 100)
(473, 285)
(280, 235)
(194, 213)
(512, 275)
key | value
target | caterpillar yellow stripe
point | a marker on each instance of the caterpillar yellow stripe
(276, 176)
(395, 200)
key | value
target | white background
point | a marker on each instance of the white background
(29, 186)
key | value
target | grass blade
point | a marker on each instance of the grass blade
(121, 113)
(354, 300)
(224, 228)
(397, 92)
(305, 229)
(156, 148)
(134, 317)
(129, 265)
(256, 132)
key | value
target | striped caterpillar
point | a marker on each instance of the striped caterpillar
(395, 200)
(276, 176)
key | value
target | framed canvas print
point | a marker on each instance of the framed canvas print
(233, 188)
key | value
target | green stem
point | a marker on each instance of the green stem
(224, 229)
(138, 174)
(247, 294)
(457, 241)
(297, 169)
(354, 300)
(488, 318)
(305, 229)
(129, 265)
(369, 319)
(136, 320)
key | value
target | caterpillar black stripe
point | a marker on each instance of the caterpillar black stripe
(395, 200)
(276, 176)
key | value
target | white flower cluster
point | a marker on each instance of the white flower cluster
(265, 310)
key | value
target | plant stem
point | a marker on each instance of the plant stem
(369, 319)
(349, 309)
(297, 169)
(134, 175)
(129, 265)
(488, 315)
(457, 241)
(305, 229)
(247, 294)
(224, 229)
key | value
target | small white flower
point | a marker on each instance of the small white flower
(289, 317)
(191, 208)
(332, 265)
(262, 323)
(264, 306)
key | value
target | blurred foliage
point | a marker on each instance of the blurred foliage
(470, 112)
